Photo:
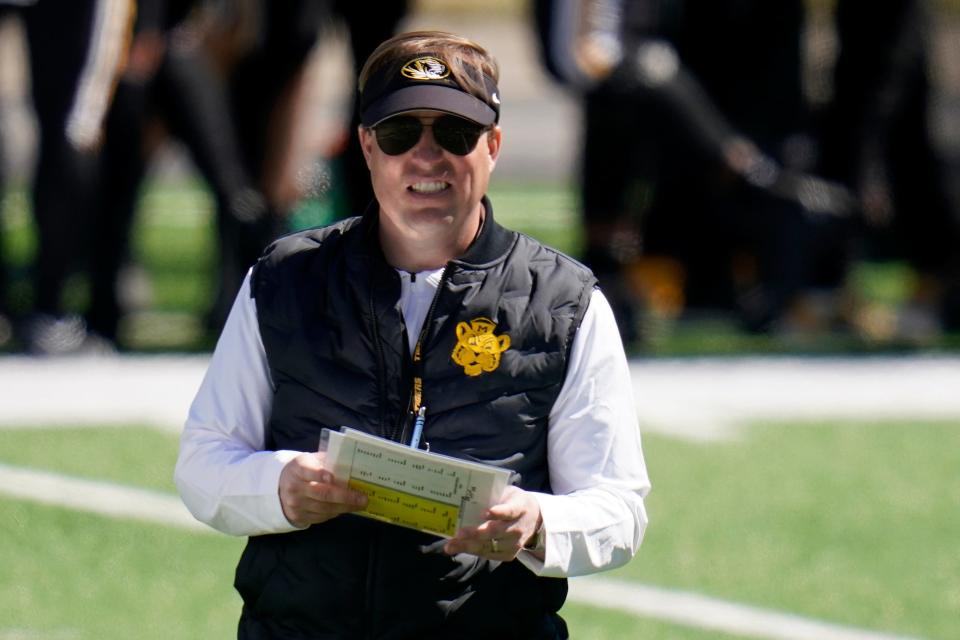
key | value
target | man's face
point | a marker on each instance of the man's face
(429, 193)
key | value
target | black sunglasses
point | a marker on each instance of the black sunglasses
(401, 133)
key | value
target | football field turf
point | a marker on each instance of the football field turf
(851, 523)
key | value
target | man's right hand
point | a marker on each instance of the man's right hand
(308, 494)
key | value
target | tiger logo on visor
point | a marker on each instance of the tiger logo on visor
(478, 349)
(425, 68)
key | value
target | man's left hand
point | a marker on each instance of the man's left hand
(507, 528)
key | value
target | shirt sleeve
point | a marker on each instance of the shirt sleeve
(596, 518)
(224, 476)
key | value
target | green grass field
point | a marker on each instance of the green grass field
(851, 523)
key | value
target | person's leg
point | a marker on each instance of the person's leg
(194, 103)
(615, 187)
(58, 37)
(122, 169)
(367, 30)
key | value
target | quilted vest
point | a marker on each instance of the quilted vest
(493, 356)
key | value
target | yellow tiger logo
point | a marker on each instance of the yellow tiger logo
(477, 349)
(425, 68)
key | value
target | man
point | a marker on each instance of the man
(693, 92)
(359, 324)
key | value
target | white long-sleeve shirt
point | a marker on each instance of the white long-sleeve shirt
(595, 519)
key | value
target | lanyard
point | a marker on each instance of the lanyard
(417, 398)
(417, 410)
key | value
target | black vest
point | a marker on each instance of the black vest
(328, 309)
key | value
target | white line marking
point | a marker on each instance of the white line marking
(33, 634)
(707, 399)
(103, 498)
(99, 391)
(697, 399)
(694, 610)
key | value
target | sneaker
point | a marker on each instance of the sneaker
(49, 335)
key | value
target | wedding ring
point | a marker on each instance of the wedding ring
(494, 545)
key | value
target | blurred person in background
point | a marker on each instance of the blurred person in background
(226, 79)
(877, 140)
(75, 50)
(267, 45)
(6, 325)
(170, 83)
(267, 79)
(696, 149)
(267, 75)
(366, 29)
(358, 323)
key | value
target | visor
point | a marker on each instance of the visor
(425, 82)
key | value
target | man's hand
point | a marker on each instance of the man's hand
(308, 494)
(507, 528)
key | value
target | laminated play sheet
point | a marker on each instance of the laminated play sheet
(410, 487)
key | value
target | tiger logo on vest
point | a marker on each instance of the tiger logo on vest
(478, 349)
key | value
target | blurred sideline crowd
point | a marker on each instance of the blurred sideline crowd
(711, 180)
(708, 179)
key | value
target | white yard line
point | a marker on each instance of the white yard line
(700, 399)
(678, 607)
(706, 399)
(104, 498)
(71, 391)
(712, 614)
(32, 634)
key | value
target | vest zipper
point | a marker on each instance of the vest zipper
(416, 390)
(415, 401)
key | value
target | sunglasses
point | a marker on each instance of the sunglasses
(401, 133)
